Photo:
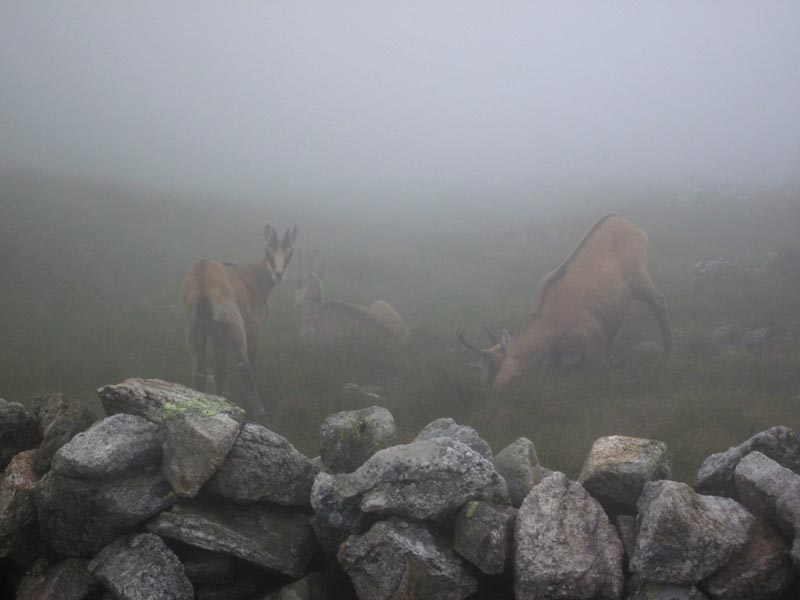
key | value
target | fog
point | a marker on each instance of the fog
(337, 100)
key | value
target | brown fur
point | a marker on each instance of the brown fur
(580, 306)
(228, 303)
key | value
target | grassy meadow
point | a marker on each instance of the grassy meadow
(90, 276)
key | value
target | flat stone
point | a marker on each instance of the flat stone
(484, 535)
(349, 438)
(262, 466)
(768, 489)
(273, 537)
(617, 468)
(519, 465)
(141, 567)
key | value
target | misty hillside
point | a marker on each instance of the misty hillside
(90, 293)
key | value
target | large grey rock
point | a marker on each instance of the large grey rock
(336, 517)
(768, 489)
(272, 537)
(195, 446)
(519, 465)
(348, 439)
(716, 474)
(80, 516)
(155, 400)
(428, 480)
(618, 466)
(484, 535)
(18, 431)
(112, 446)
(263, 466)
(448, 428)
(141, 567)
(683, 536)
(761, 571)
(59, 421)
(17, 503)
(397, 559)
(566, 548)
(67, 580)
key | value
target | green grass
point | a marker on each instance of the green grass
(89, 295)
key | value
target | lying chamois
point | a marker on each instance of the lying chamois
(324, 321)
(228, 303)
(580, 306)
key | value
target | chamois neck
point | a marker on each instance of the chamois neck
(261, 275)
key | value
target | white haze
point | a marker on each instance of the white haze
(332, 99)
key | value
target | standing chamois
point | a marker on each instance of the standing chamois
(228, 303)
(580, 306)
(324, 321)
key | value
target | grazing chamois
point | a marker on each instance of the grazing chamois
(228, 303)
(324, 321)
(580, 306)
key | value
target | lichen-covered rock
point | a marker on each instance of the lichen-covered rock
(348, 439)
(156, 400)
(67, 580)
(427, 481)
(78, 517)
(59, 421)
(448, 428)
(273, 537)
(484, 535)
(141, 567)
(263, 466)
(566, 548)
(768, 489)
(397, 559)
(18, 431)
(112, 446)
(683, 536)
(519, 465)
(17, 502)
(761, 571)
(716, 474)
(617, 468)
(194, 447)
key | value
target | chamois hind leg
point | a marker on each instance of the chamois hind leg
(647, 293)
(197, 336)
(238, 340)
(220, 356)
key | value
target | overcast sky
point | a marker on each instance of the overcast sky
(350, 95)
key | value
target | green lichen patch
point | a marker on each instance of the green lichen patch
(204, 405)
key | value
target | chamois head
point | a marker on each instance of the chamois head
(498, 367)
(279, 253)
(309, 283)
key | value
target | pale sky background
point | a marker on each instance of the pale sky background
(311, 96)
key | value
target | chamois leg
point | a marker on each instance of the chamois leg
(197, 345)
(648, 294)
(220, 355)
(239, 343)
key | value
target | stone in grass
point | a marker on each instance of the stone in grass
(273, 537)
(761, 571)
(617, 468)
(155, 400)
(18, 431)
(484, 535)
(716, 475)
(67, 580)
(17, 503)
(397, 559)
(141, 567)
(59, 421)
(112, 446)
(349, 438)
(566, 548)
(519, 466)
(683, 536)
(448, 428)
(263, 466)
(768, 489)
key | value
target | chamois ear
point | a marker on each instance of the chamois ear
(505, 340)
(270, 236)
(293, 235)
